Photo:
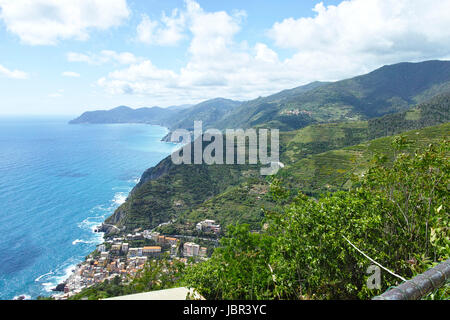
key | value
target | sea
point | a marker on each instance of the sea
(58, 182)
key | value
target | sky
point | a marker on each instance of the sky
(67, 57)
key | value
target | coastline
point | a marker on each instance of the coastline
(72, 279)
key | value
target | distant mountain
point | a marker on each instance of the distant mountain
(174, 117)
(388, 89)
(123, 114)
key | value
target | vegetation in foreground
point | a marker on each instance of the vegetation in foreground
(397, 214)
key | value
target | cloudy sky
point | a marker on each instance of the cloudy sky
(65, 57)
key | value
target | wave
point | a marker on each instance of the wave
(84, 241)
(42, 276)
(61, 274)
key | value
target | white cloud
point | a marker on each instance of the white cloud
(360, 35)
(105, 56)
(13, 74)
(44, 22)
(70, 74)
(352, 38)
(168, 32)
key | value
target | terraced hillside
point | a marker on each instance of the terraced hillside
(333, 170)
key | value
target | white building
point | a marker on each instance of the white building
(208, 225)
(191, 249)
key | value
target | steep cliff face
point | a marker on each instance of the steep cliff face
(155, 172)
(167, 190)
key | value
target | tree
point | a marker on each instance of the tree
(397, 215)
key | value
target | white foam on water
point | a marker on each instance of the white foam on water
(43, 276)
(75, 242)
(64, 273)
(120, 198)
(135, 180)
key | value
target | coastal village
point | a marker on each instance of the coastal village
(119, 257)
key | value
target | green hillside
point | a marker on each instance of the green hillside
(386, 90)
(318, 158)
(333, 170)
(432, 112)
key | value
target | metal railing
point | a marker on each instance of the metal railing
(421, 285)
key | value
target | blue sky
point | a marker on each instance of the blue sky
(66, 57)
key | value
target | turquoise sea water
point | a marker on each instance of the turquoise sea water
(57, 183)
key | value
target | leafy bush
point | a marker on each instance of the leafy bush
(398, 216)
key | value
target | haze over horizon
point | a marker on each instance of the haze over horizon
(75, 56)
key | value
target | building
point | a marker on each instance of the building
(191, 249)
(208, 226)
(154, 236)
(161, 239)
(115, 248)
(171, 241)
(102, 261)
(173, 250)
(151, 251)
(125, 247)
(202, 252)
(141, 261)
(132, 252)
(101, 248)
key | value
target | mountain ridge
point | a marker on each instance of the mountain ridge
(386, 90)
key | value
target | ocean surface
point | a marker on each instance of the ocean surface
(57, 183)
